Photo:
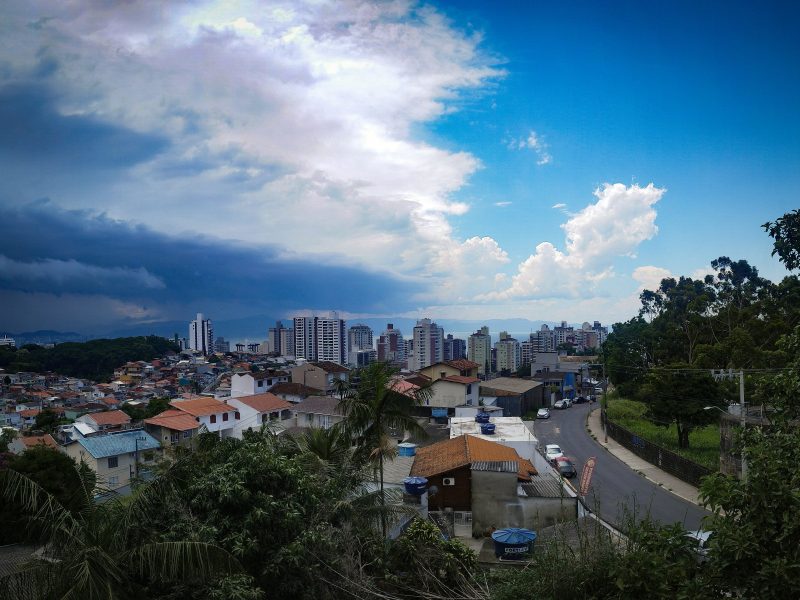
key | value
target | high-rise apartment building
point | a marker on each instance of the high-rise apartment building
(508, 353)
(391, 345)
(564, 334)
(287, 342)
(525, 352)
(428, 345)
(454, 348)
(543, 340)
(359, 337)
(321, 338)
(222, 345)
(479, 350)
(276, 339)
(201, 335)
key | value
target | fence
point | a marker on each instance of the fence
(666, 460)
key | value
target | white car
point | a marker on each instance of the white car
(543, 413)
(551, 451)
(561, 404)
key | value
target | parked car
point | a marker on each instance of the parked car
(702, 539)
(543, 413)
(560, 405)
(568, 402)
(581, 400)
(551, 451)
(565, 467)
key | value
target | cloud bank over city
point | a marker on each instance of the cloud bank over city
(263, 158)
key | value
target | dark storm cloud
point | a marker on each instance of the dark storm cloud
(48, 249)
(32, 129)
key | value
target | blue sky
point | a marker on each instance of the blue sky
(471, 160)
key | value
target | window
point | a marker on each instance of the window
(260, 383)
(187, 434)
(213, 418)
(174, 438)
(113, 480)
(224, 416)
(236, 415)
(264, 418)
(469, 388)
(113, 462)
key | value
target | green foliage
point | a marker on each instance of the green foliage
(703, 441)
(785, 231)
(6, 437)
(48, 421)
(153, 408)
(95, 359)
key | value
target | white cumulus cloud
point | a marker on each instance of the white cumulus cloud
(621, 218)
(533, 141)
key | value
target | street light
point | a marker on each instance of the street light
(743, 424)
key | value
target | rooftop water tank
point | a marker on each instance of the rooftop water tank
(487, 428)
(406, 449)
(415, 486)
(513, 543)
(482, 417)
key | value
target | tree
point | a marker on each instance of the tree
(375, 408)
(98, 551)
(785, 231)
(47, 421)
(679, 395)
(7, 436)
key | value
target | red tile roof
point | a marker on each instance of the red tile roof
(461, 379)
(111, 417)
(451, 454)
(201, 406)
(462, 364)
(294, 389)
(265, 402)
(30, 412)
(330, 367)
(177, 420)
(29, 441)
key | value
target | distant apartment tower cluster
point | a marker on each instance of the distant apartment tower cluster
(201, 335)
(391, 345)
(321, 338)
(454, 348)
(479, 350)
(280, 340)
(360, 344)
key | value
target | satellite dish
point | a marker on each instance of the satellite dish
(433, 490)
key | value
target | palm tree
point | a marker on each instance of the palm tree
(98, 550)
(373, 409)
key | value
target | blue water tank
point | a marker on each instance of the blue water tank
(406, 449)
(482, 417)
(487, 428)
(513, 543)
(415, 486)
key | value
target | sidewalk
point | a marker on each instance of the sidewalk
(651, 472)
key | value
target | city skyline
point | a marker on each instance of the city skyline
(417, 160)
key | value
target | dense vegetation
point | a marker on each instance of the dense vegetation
(731, 319)
(703, 447)
(94, 360)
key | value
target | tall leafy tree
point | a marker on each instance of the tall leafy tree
(785, 231)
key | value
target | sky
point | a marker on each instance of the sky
(465, 160)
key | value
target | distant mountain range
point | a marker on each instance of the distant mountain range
(255, 328)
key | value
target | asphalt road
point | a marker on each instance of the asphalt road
(616, 490)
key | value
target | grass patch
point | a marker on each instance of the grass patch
(703, 443)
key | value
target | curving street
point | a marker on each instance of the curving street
(615, 486)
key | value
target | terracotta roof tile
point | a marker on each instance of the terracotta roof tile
(177, 420)
(461, 379)
(111, 417)
(462, 364)
(200, 406)
(266, 402)
(294, 389)
(29, 441)
(330, 367)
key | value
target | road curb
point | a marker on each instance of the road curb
(596, 436)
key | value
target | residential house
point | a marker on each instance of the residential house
(106, 421)
(173, 428)
(21, 443)
(249, 384)
(481, 481)
(259, 409)
(318, 411)
(213, 415)
(294, 392)
(461, 367)
(115, 457)
(320, 375)
(446, 393)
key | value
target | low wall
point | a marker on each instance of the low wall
(666, 460)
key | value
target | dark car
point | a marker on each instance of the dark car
(565, 467)
(581, 400)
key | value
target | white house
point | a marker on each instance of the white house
(215, 416)
(253, 411)
(250, 384)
